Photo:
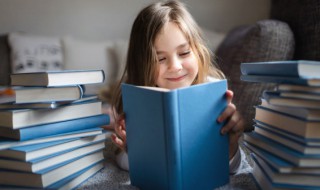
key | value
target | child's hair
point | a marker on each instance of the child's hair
(141, 65)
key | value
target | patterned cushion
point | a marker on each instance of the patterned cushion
(267, 40)
(303, 19)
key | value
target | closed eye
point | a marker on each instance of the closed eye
(185, 53)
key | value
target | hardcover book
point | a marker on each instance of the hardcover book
(35, 151)
(49, 176)
(292, 68)
(173, 137)
(6, 143)
(58, 78)
(281, 80)
(56, 128)
(48, 94)
(296, 125)
(20, 118)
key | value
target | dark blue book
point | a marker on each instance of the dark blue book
(58, 78)
(75, 180)
(290, 155)
(50, 129)
(35, 151)
(280, 80)
(51, 175)
(21, 118)
(173, 137)
(9, 143)
(292, 68)
(51, 160)
(275, 98)
(281, 165)
(293, 124)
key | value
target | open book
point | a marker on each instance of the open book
(173, 136)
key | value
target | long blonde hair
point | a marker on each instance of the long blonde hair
(141, 65)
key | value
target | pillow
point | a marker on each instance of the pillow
(266, 40)
(82, 54)
(34, 53)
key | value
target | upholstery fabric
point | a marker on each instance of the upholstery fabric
(266, 40)
(303, 18)
(5, 67)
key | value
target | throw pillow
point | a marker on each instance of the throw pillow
(5, 67)
(30, 53)
(266, 40)
(85, 54)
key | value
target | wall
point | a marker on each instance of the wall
(112, 19)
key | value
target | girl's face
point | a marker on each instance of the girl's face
(178, 66)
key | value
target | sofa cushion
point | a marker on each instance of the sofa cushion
(303, 19)
(5, 67)
(31, 53)
(266, 40)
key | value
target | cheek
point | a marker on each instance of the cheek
(191, 65)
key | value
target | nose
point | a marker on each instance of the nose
(175, 64)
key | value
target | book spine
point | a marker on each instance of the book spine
(172, 131)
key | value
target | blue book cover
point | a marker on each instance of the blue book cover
(281, 165)
(173, 137)
(55, 128)
(263, 181)
(274, 98)
(280, 80)
(290, 155)
(291, 68)
(58, 78)
(51, 175)
(9, 143)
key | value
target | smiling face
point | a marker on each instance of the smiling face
(177, 64)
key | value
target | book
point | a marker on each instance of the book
(301, 112)
(35, 151)
(290, 143)
(281, 80)
(48, 94)
(56, 128)
(21, 118)
(47, 177)
(288, 134)
(291, 68)
(42, 163)
(264, 182)
(296, 125)
(280, 165)
(287, 178)
(173, 137)
(298, 88)
(283, 152)
(75, 180)
(45, 105)
(274, 98)
(58, 78)
(9, 143)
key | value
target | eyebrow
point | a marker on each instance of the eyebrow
(178, 47)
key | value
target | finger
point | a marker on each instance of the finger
(232, 124)
(229, 96)
(108, 127)
(117, 141)
(230, 109)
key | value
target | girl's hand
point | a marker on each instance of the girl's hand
(120, 137)
(234, 124)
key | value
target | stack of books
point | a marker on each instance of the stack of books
(51, 135)
(285, 143)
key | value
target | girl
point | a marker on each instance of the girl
(166, 50)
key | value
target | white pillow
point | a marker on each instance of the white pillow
(80, 54)
(121, 49)
(30, 53)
